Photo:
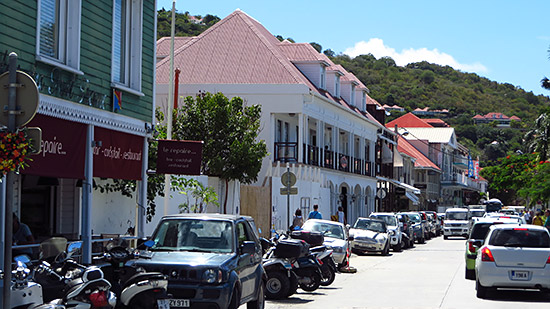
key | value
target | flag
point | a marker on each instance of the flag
(476, 169)
(470, 167)
(117, 100)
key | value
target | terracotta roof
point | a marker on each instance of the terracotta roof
(495, 116)
(163, 44)
(236, 50)
(436, 122)
(478, 117)
(421, 160)
(409, 120)
(515, 118)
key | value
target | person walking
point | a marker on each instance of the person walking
(298, 221)
(547, 222)
(21, 236)
(341, 215)
(315, 214)
(537, 220)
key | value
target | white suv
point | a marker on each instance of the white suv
(394, 229)
(456, 222)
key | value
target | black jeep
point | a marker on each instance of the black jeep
(211, 260)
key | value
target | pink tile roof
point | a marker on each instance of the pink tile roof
(409, 120)
(236, 50)
(515, 118)
(436, 122)
(496, 116)
(421, 160)
(163, 44)
(300, 52)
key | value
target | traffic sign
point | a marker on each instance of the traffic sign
(293, 191)
(26, 99)
(288, 179)
(381, 193)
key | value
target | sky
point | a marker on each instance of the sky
(505, 41)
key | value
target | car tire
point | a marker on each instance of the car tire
(293, 287)
(481, 291)
(313, 285)
(421, 240)
(386, 250)
(445, 237)
(259, 303)
(277, 285)
(470, 274)
(234, 302)
(398, 247)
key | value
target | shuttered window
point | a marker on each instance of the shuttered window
(119, 41)
(49, 28)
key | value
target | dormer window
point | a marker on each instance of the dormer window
(363, 101)
(353, 95)
(323, 83)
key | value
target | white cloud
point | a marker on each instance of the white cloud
(377, 48)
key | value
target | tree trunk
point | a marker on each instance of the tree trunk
(225, 198)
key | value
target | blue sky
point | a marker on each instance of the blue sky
(506, 41)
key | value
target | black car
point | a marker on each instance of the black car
(211, 260)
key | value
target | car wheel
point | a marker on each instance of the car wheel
(386, 250)
(277, 285)
(234, 303)
(470, 274)
(293, 287)
(398, 247)
(313, 285)
(411, 243)
(445, 237)
(481, 291)
(421, 240)
(259, 303)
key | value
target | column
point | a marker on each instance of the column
(320, 141)
(300, 137)
(142, 194)
(87, 188)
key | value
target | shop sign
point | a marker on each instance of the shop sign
(117, 155)
(179, 157)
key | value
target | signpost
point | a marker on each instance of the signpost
(288, 179)
(22, 103)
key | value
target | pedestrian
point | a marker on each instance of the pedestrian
(528, 217)
(537, 220)
(341, 215)
(315, 214)
(298, 221)
(547, 222)
(21, 236)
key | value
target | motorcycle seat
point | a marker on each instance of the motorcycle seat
(144, 276)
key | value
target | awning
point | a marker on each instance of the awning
(403, 185)
(412, 197)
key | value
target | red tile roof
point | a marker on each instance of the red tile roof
(436, 122)
(478, 117)
(409, 120)
(421, 160)
(516, 118)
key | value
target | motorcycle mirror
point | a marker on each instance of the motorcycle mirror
(149, 243)
(73, 247)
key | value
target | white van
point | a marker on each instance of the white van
(456, 222)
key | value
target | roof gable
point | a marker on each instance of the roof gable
(421, 160)
(409, 120)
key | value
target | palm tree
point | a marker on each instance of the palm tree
(539, 135)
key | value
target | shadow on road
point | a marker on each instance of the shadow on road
(532, 296)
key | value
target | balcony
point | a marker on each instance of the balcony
(286, 151)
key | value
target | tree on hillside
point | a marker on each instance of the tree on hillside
(539, 136)
(229, 129)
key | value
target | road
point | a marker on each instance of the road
(430, 275)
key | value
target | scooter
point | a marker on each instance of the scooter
(134, 288)
(328, 266)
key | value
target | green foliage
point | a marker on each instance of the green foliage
(317, 46)
(203, 196)
(522, 175)
(539, 136)
(183, 26)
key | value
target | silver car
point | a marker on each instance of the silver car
(336, 238)
(370, 235)
(514, 256)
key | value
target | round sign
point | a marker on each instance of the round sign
(381, 193)
(26, 102)
(343, 161)
(288, 179)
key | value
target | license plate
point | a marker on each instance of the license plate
(163, 303)
(519, 275)
(179, 303)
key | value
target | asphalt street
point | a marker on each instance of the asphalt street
(429, 275)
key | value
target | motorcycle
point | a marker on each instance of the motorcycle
(328, 266)
(134, 287)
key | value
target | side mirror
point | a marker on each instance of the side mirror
(22, 259)
(350, 238)
(348, 226)
(73, 247)
(248, 247)
(149, 243)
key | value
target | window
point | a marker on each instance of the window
(337, 86)
(58, 34)
(323, 77)
(363, 101)
(352, 101)
(279, 134)
(126, 45)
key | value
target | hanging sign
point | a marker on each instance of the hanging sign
(179, 157)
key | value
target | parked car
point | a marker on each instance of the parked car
(392, 223)
(503, 215)
(477, 236)
(435, 222)
(514, 256)
(456, 223)
(418, 226)
(211, 260)
(336, 238)
(369, 235)
(474, 215)
(407, 229)
(427, 226)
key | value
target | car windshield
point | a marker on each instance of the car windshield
(328, 230)
(414, 217)
(480, 230)
(192, 234)
(520, 237)
(456, 215)
(371, 225)
(477, 213)
(390, 220)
